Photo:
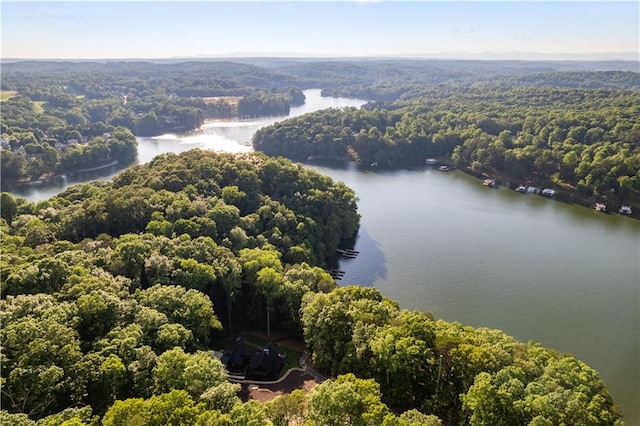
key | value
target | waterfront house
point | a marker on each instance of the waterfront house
(236, 363)
(265, 364)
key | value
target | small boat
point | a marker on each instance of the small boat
(444, 168)
(430, 161)
(489, 182)
(522, 189)
(601, 207)
(625, 210)
(547, 192)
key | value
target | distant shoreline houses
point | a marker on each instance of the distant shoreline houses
(57, 145)
(51, 157)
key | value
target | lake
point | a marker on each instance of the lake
(538, 269)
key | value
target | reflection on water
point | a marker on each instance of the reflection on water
(226, 136)
(373, 262)
(41, 190)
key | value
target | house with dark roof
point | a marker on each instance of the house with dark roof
(237, 362)
(265, 364)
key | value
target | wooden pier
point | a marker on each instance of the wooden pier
(348, 253)
(351, 254)
(336, 274)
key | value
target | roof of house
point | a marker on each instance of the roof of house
(236, 360)
(266, 363)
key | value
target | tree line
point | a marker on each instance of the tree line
(394, 79)
(57, 119)
(56, 98)
(114, 294)
(148, 98)
(581, 141)
(32, 154)
(460, 374)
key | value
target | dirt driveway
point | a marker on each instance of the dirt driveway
(295, 379)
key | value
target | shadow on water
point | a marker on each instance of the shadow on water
(329, 164)
(41, 190)
(370, 265)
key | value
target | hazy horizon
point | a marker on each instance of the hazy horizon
(86, 30)
(512, 56)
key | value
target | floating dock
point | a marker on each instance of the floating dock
(336, 274)
(352, 254)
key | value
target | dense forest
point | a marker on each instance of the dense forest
(584, 142)
(148, 99)
(389, 80)
(115, 293)
(61, 117)
(32, 155)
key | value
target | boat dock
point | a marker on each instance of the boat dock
(336, 274)
(601, 207)
(351, 254)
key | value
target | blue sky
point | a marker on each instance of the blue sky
(163, 29)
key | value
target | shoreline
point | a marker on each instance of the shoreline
(562, 194)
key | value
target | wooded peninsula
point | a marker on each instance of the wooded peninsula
(116, 294)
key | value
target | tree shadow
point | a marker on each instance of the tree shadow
(368, 267)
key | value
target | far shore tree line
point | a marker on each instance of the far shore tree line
(581, 141)
(553, 124)
(60, 118)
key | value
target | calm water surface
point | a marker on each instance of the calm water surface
(535, 268)
(538, 269)
(228, 136)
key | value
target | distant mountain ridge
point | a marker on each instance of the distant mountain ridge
(626, 61)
